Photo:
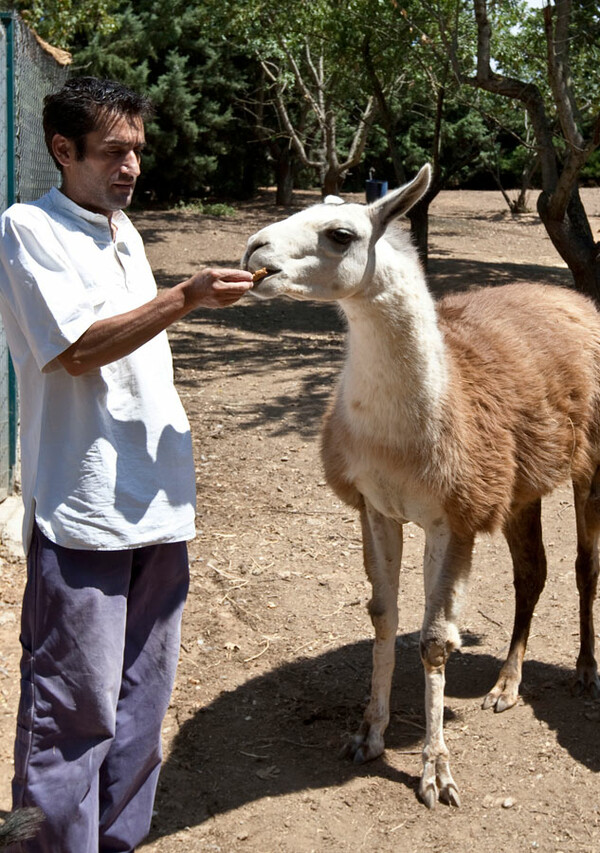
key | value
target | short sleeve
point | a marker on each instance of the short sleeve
(38, 282)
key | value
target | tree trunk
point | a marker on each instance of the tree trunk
(559, 204)
(419, 227)
(285, 178)
(389, 125)
(418, 217)
(573, 239)
(332, 182)
(519, 205)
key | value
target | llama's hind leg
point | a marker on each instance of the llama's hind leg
(587, 512)
(523, 533)
(382, 547)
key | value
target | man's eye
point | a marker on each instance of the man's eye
(341, 236)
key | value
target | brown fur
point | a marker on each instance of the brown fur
(524, 410)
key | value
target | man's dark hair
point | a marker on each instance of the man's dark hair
(83, 103)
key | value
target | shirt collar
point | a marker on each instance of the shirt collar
(62, 201)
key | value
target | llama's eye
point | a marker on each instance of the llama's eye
(341, 236)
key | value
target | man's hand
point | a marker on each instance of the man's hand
(216, 287)
(114, 337)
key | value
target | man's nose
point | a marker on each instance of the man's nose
(131, 164)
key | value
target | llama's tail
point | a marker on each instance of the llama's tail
(20, 825)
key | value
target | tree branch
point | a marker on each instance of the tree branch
(316, 105)
(559, 71)
(285, 119)
(509, 87)
(360, 137)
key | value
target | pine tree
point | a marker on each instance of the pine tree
(158, 48)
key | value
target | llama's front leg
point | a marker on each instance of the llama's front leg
(382, 548)
(446, 568)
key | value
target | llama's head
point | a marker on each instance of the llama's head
(329, 251)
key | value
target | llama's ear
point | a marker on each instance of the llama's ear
(397, 202)
(333, 199)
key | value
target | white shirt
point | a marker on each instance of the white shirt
(106, 457)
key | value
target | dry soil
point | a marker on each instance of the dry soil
(275, 657)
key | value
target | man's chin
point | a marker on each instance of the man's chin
(123, 197)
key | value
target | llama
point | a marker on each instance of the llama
(457, 415)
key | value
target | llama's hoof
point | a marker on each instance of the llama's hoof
(437, 784)
(361, 748)
(501, 698)
(429, 794)
(449, 795)
(586, 682)
(360, 756)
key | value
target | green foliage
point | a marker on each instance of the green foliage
(61, 21)
(312, 89)
(197, 206)
(222, 73)
(159, 48)
(520, 51)
(590, 173)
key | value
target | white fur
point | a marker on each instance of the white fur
(393, 387)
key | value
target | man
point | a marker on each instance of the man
(107, 478)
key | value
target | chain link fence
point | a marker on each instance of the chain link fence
(29, 70)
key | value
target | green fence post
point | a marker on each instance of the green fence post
(8, 22)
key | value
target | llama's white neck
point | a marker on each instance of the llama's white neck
(395, 381)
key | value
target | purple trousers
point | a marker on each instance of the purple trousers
(100, 635)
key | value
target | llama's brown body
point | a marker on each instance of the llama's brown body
(522, 415)
(459, 416)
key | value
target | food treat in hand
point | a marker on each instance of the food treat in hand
(261, 273)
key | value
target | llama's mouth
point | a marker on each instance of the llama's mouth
(262, 274)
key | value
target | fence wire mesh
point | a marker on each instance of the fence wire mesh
(36, 74)
(28, 72)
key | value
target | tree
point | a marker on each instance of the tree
(561, 97)
(60, 21)
(311, 93)
(422, 111)
(158, 47)
(316, 84)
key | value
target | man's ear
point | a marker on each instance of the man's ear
(63, 149)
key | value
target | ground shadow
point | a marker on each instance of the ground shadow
(270, 319)
(282, 731)
(281, 338)
(452, 274)
(284, 335)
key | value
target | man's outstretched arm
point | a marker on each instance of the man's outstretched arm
(115, 337)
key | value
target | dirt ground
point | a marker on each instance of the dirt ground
(275, 657)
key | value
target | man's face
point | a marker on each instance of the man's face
(105, 179)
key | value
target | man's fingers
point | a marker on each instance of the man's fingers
(215, 287)
(232, 287)
(231, 275)
(227, 292)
